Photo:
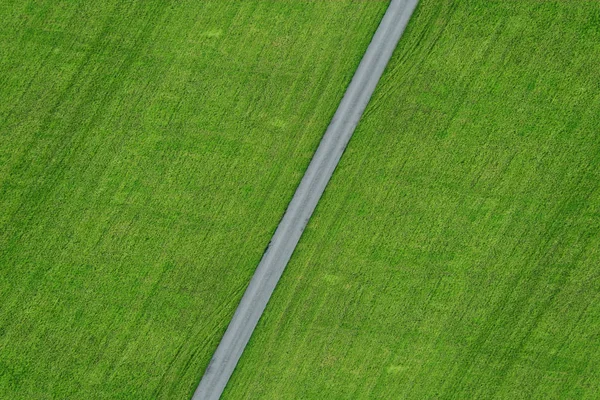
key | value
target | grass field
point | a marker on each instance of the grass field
(456, 252)
(147, 152)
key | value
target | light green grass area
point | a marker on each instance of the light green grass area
(456, 252)
(147, 151)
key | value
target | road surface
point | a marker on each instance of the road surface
(305, 200)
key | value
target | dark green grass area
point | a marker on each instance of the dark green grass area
(456, 252)
(147, 151)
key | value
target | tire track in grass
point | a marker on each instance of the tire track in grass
(66, 146)
(516, 300)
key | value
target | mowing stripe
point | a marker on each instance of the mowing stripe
(305, 200)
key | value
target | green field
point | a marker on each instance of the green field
(456, 252)
(147, 151)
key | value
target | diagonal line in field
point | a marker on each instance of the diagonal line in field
(305, 200)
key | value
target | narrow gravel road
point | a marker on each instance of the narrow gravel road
(305, 200)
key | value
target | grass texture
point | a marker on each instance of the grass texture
(148, 150)
(456, 252)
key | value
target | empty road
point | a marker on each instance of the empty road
(305, 200)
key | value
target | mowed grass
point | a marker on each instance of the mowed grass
(148, 150)
(456, 252)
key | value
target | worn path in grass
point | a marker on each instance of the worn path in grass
(305, 199)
